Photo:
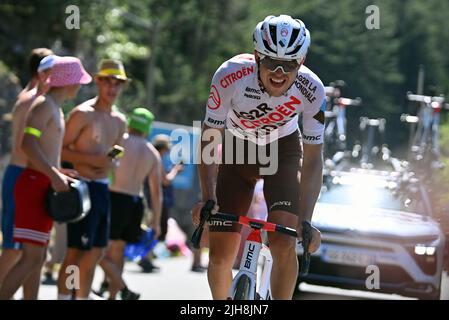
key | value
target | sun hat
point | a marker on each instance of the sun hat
(67, 71)
(112, 68)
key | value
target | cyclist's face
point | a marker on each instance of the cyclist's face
(277, 75)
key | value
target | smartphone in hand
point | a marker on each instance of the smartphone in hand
(116, 151)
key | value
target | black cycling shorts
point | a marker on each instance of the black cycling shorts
(236, 182)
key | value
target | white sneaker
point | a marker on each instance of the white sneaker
(93, 296)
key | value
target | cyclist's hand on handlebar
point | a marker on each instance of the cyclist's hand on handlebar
(196, 212)
(316, 238)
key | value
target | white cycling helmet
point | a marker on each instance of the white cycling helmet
(282, 37)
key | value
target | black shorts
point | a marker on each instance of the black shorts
(126, 217)
(93, 230)
(236, 182)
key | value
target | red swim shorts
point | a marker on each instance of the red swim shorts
(32, 223)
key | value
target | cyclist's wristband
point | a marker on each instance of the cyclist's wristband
(33, 131)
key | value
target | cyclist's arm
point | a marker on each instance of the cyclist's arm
(311, 179)
(207, 167)
(217, 107)
(312, 165)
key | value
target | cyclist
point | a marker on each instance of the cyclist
(258, 98)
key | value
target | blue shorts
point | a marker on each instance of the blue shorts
(9, 181)
(93, 230)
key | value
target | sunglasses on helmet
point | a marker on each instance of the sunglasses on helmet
(272, 65)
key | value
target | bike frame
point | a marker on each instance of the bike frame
(254, 247)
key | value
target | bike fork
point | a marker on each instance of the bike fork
(248, 264)
(264, 287)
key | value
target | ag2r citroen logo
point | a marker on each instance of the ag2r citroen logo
(214, 98)
(284, 32)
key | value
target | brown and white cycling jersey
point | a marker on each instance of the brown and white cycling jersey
(237, 102)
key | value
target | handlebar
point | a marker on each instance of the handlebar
(341, 102)
(425, 99)
(254, 223)
(409, 118)
(206, 215)
(349, 102)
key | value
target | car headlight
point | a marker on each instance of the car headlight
(422, 250)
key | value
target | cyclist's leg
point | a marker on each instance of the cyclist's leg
(285, 263)
(282, 200)
(234, 196)
(282, 196)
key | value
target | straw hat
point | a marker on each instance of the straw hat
(112, 68)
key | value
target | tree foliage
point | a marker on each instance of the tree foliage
(172, 48)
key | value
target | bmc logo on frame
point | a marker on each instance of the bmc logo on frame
(218, 223)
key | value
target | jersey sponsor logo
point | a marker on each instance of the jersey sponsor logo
(265, 119)
(306, 87)
(229, 79)
(252, 90)
(215, 122)
(251, 96)
(214, 100)
(312, 138)
(319, 116)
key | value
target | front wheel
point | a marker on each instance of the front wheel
(242, 288)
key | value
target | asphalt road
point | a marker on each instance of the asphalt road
(175, 281)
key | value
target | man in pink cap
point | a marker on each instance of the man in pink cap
(42, 143)
(93, 128)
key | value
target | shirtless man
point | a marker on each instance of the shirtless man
(140, 160)
(42, 143)
(36, 87)
(92, 129)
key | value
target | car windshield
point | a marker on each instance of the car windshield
(366, 192)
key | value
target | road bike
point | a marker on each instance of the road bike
(424, 149)
(246, 285)
(335, 133)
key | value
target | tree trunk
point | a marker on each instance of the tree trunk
(150, 66)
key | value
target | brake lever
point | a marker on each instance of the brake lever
(205, 214)
(306, 239)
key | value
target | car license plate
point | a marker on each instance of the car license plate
(347, 257)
